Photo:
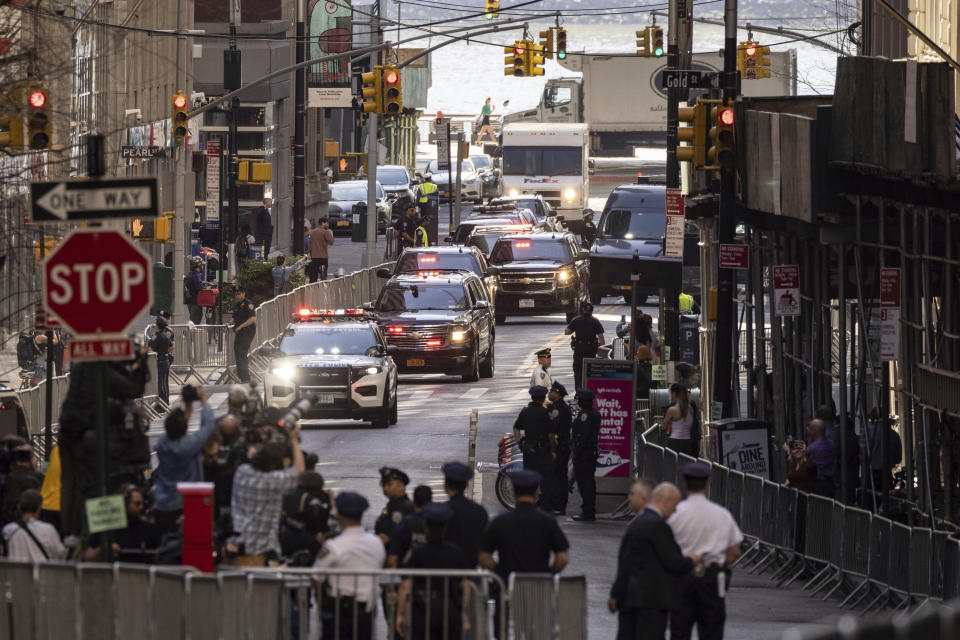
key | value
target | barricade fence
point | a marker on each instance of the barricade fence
(871, 561)
(95, 601)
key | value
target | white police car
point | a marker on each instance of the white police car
(340, 355)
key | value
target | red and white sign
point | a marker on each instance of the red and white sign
(734, 256)
(889, 313)
(101, 349)
(97, 283)
(786, 290)
(675, 224)
(44, 320)
(213, 180)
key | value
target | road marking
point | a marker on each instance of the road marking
(523, 394)
(475, 393)
(421, 394)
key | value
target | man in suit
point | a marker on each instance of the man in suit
(648, 570)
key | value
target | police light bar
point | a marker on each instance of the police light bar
(423, 258)
(395, 330)
(522, 244)
(435, 342)
(306, 313)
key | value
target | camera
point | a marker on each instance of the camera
(189, 394)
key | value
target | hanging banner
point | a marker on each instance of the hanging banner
(612, 382)
(786, 290)
(329, 26)
(889, 314)
(675, 224)
(213, 180)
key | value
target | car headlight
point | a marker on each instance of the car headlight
(514, 192)
(569, 194)
(285, 372)
(564, 275)
(458, 335)
(360, 372)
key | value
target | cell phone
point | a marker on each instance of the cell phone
(790, 441)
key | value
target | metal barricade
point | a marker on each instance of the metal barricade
(53, 588)
(750, 512)
(653, 462)
(571, 607)
(819, 533)
(938, 562)
(670, 466)
(900, 556)
(717, 487)
(734, 494)
(856, 549)
(951, 568)
(786, 517)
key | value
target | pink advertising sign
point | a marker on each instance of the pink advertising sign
(612, 382)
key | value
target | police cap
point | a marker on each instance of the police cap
(524, 478)
(162, 322)
(559, 388)
(457, 472)
(585, 394)
(538, 392)
(389, 473)
(437, 512)
(351, 505)
(698, 470)
(543, 353)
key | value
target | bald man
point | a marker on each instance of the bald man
(649, 567)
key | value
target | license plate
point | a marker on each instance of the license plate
(416, 362)
(343, 223)
(324, 398)
(526, 303)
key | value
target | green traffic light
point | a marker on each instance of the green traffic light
(489, 16)
(658, 52)
(561, 55)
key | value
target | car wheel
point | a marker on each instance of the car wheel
(504, 490)
(382, 419)
(474, 373)
(394, 408)
(500, 318)
(486, 367)
(596, 297)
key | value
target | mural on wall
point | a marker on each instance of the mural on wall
(329, 32)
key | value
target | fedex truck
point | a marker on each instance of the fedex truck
(548, 159)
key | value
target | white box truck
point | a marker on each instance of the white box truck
(620, 97)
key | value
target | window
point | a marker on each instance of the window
(558, 96)
(354, 340)
(530, 249)
(629, 224)
(543, 161)
(392, 177)
(417, 297)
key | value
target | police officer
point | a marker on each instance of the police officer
(162, 344)
(244, 326)
(523, 538)
(586, 429)
(347, 604)
(587, 338)
(193, 285)
(541, 376)
(429, 198)
(705, 528)
(562, 419)
(410, 532)
(469, 519)
(421, 237)
(589, 233)
(532, 430)
(393, 483)
(407, 228)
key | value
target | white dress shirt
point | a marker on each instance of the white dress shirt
(353, 549)
(20, 546)
(541, 377)
(705, 528)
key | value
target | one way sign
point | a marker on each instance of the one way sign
(89, 200)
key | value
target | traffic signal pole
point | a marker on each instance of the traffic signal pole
(299, 133)
(370, 252)
(723, 348)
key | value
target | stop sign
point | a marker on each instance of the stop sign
(97, 282)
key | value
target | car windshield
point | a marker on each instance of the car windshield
(352, 191)
(421, 260)
(542, 161)
(421, 297)
(629, 224)
(481, 162)
(513, 249)
(392, 177)
(331, 340)
(528, 204)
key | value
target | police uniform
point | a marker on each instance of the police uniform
(408, 534)
(386, 525)
(348, 603)
(589, 233)
(586, 429)
(705, 528)
(562, 419)
(162, 345)
(585, 329)
(541, 376)
(535, 427)
(406, 225)
(241, 342)
(469, 520)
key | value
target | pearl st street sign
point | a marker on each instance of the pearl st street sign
(95, 199)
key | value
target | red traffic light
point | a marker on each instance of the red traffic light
(391, 77)
(750, 51)
(518, 51)
(180, 101)
(726, 117)
(38, 99)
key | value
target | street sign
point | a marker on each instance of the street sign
(213, 180)
(786, 290)
(734, 256)
(93, 199)
(688, 79)
(889, 314)
(106, 513)
(97, 283)
(129, 151)
(101, 349)
(675, 224)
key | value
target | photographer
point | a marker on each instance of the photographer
(306, 520)
(225, 452)
(801, 472)
(178, 457)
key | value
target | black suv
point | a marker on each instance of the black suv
(430, 259)
(439, 322)
(540, 273)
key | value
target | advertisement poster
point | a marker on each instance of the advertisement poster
(612, 382)
(786, 290)
(746, 450)
(675, 224)
(889, 313)
(330, 32)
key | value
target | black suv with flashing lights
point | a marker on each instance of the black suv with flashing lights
(438, 322)
(540, 273)
(456, 258)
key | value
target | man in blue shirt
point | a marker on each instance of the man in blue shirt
(179, 460)
(281, 275)
(823, 454)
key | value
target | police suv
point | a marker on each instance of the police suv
(340, 355)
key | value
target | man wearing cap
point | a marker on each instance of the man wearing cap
(443, 600)
(162, 344)
(469, 519)
(348, 603)
(525, 537)
(586, 430)
(587, 337)
(703, 527)
(532, 430)
(245, 327)
(410, 532)
(562, 420)
(540, 376)
(394, 483)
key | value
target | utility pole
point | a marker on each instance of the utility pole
(370, 253)
(299, 133)
(673, 96)
(457, 207)
(725, 225)
(233, 79)
(180, 225)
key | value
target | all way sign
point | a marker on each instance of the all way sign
(93, 199)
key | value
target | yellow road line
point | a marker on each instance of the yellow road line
(556, 342)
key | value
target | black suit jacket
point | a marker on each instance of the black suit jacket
(649, 565)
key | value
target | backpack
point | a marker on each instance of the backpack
(26, 351)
